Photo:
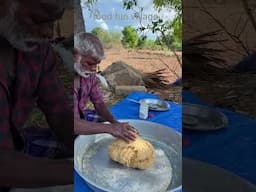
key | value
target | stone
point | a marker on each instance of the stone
(120, 73)
(124, 90)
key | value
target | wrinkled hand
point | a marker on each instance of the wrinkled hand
(124, 131)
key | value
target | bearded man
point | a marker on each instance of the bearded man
(27, 78)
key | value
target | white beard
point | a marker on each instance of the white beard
(78, 68)
(15, 34)
(83, 73)
(86, 74)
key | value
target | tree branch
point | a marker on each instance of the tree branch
(250, 14)
(236, 39)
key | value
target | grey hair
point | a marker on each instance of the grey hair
(89, 44)
(15, 33)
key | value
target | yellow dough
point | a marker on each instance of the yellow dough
(137, 154)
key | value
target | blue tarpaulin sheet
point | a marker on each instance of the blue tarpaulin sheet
(232, 148)
(126, 109)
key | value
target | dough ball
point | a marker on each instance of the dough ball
(137, 154)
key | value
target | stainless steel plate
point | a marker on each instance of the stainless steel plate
(198, 117)
(157, 104)
(102, 174)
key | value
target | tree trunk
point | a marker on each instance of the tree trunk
(79, 20)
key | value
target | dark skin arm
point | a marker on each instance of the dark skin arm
(121, 130)
(19, 170)
(103, 111)
(62, 124)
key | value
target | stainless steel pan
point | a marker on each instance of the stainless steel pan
(101, 174)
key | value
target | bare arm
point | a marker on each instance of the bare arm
(103, 111)
(53, 101)
(62, 124)
(82, 127)
(121, 130)
(19, 170)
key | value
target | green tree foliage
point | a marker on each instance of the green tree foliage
(130, 37)
(142, 42)
(170, 31)
(177, 32)
(172, 4)
(103, 36)
(115, 37)
(165, 28)
(169, 39)
(108, 38)
(151, 44)
(99, 32)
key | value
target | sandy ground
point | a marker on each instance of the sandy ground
(147, 61)
(143, 60)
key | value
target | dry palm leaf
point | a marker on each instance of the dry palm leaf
(198, 53)
(160, 79)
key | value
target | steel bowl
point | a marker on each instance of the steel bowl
(92, 163)
(198, 117)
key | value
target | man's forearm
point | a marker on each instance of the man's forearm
(103, 111)
(19, 170)
(82, 127)
(62, 124)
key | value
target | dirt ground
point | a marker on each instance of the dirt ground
(147, 61)
(144, 60)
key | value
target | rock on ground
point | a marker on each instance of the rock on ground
(120, 73)
(125, 90)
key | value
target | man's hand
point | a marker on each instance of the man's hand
(124, 131)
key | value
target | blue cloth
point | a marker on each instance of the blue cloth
(80, 185)
(178, 82)
(126, 109)
(248, 64)
(232, 148)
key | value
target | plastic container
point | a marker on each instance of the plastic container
(143, 113)
(91, 115)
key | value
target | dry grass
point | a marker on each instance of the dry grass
(233, 91)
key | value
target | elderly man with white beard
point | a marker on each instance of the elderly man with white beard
(28, 77)
(88, 53)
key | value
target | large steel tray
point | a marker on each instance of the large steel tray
(101, 174)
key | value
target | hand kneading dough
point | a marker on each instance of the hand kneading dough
(137, 154)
